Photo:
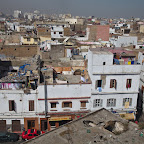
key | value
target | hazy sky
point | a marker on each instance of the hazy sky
(98, 8)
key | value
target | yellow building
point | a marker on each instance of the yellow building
(44, 38)
(29, 40)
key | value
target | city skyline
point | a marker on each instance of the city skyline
(99, 8)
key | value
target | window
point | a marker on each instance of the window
(53, 105)
(67, 104)
(31, 105)
(97, 103)
(54, 32)
(129, 100)
(111, 102)
(60, 32)
(104, 63)
(98, 83)
(83, 104)
(128, 83)
(113, 83)
(11, 105)
(28, 39)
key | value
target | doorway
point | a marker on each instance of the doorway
(44, 125)
(31, 124)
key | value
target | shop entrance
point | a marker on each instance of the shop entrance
(16, 126)
(63, 122)
(31, 124)
(2, 125)
(44, 125)
(52, 124)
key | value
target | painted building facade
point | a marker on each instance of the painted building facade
(114, 87)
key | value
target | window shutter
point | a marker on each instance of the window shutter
(115, 84)
(83, 103)
(14, 106)
(10, 105)
(127, 83)
(70, 104)
(62, 104)
(31, 105)
(130, 81)
(111, 83)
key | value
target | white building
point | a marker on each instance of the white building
(141, 86)
(17, 13)
(29, 16)
(57, 32)
(27, 108)
(16, 106)
(124, 41)
(114, 87)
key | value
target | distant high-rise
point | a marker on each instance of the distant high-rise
(17, 13)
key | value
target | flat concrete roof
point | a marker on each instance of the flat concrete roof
(80, 132)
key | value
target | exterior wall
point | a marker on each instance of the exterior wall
(44, 31)
(121, 84)
(21, 100)
(100, 58)
(19, 50)
(141, 29)
(80, 21)
(102, 32)
(117, 69)
(67, 31)
(10, 39)
(2, 26)
(111, 30)
(44, 38)
(119, 101)
(72, 92)
(120, 73)
(124, 41)
(140, 57)
(55, 32)
(22, 106)
(31, 42)
(56, 52)
(71, 20)
(99, 32)
(141, 86)
(86, 36)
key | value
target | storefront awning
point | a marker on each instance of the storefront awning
(59, 118)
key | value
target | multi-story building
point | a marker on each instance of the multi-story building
(17, 13)
(114, 84)
(28, 104)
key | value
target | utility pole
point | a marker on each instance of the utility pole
(45, 91)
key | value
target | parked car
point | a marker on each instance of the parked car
(31, 133)
(7, 136)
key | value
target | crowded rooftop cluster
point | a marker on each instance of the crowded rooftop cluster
(58, 68)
